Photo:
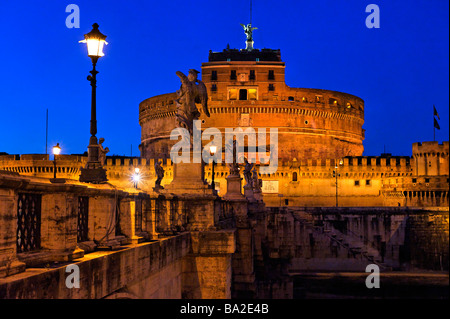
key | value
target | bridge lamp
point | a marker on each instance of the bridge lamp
(136, 177)
(94, 172)
(212, 151)
(56, 151)
(95, 41)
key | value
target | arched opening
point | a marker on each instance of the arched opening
(243, 94)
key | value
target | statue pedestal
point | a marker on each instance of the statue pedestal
(234, 188)
(92, 174)
(249, 45)
(248, 193)
(257, 195)
(188, 178)
(157, 188)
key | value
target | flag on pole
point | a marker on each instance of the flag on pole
(436, 113)
(436, 124)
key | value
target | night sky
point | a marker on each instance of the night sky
(400, 70)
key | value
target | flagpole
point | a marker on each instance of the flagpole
(46, 133)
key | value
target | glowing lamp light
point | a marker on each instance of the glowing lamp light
(95, 41)
(136, 178)
(341, 162)
(56, 149)
(213, 149)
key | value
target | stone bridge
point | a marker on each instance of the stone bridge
(132, 244)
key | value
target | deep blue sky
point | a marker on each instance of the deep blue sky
(400, 70)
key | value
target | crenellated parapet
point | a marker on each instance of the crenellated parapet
(40, 165)
(360, 178)
(123, 168)
(431, 158)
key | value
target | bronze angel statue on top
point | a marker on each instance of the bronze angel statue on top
(248, 30)
(191, 91)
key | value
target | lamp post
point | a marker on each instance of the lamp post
(56, 151)
(336, 174)
(94, 171)
(136, 177)
(213, 150)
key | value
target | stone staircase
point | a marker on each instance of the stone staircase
(352, 242)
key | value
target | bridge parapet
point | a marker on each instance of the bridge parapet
(43, 222)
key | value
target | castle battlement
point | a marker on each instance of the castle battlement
(365, 176)
(348, 162)
(430, 148)
(431, 158)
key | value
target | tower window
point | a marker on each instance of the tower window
(294, 176)
(233, 75)
(252, 94)
(356, 183)
(232, 94)
(214, 88)
(271, 87)
(290, 98)
(271, 75)
(214, 76)
(252, 75)
(243, 94)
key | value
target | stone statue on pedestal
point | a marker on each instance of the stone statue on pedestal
(191, 91)
(249, 33)
(248, 30)
(256, 180)
(159, 171)
(102, 151)
(188, 177)
(248, 174)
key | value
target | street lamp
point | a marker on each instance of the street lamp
(136, 177)
(94, 171)
(56, 151)
(213, 150)
(336, 174)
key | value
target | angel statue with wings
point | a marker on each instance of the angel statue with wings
(248, 31)
(191, 91)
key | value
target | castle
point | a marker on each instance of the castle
(320, 142)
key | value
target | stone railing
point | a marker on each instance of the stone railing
(42, 223)
(169, 215)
